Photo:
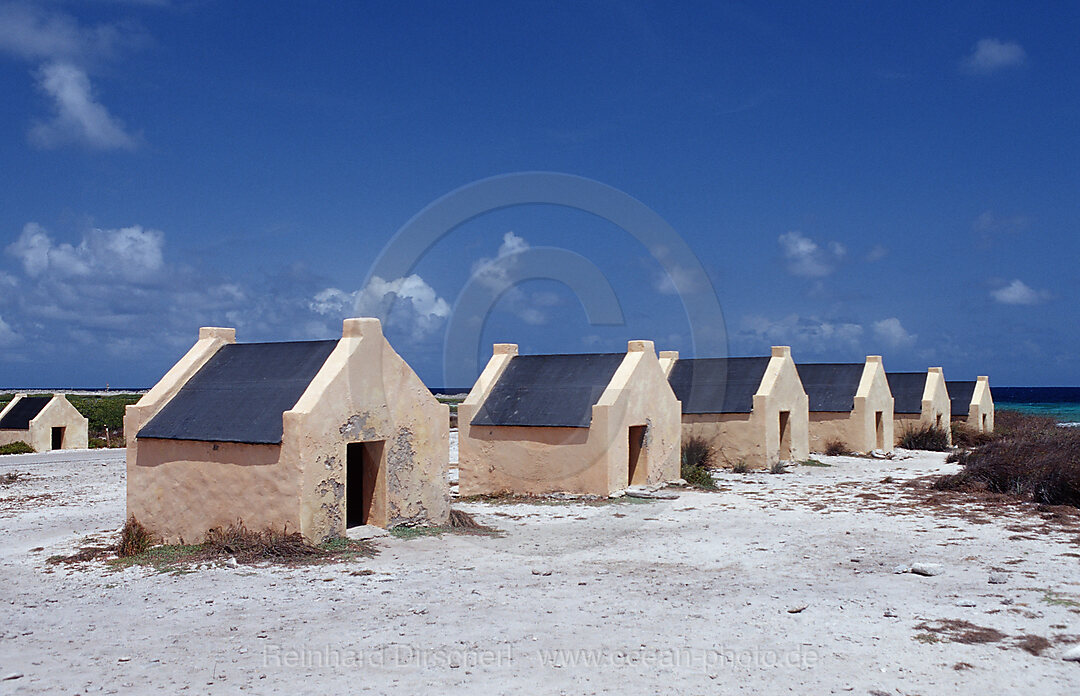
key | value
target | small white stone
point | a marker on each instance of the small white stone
(927, 569)
(1073, 654)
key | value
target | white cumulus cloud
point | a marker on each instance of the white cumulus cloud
(1018, 293)
(78, 117)
(8, 337)
(990, 55)
(132, 253)
(892, 333)
(406, 304)
(807, 258)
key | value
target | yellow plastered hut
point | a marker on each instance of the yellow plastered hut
(591, 423)
(44, 422)
(752, 410)
(850, 403)
(972, 403)
(920, 399)
(310, 436)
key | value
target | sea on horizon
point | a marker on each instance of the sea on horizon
(1062, 403)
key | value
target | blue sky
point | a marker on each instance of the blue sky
(885, 177)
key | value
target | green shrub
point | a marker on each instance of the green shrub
(696, 461)
(814, 462)
(699, 477)
(925, 436)
(17, 447)
(778, 468)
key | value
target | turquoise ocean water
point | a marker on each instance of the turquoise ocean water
(1062, 403)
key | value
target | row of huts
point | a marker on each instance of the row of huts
(321, 436)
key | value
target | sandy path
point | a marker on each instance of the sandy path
(689, 595)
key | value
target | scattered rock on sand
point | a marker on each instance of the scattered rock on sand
(927, 569)
(651, 495)
(1073, 654)
(997, 578)
(18, 675)
(901, 569)
(232, 562)
(365, 531)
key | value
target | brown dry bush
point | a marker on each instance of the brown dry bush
(1030, 457)
(928, 437)
(963, 435)
(837, 448)
(247, 546)
(134, 539)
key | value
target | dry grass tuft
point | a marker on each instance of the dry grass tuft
(134, 539)
(459, 519)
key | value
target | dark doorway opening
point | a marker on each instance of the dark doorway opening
(637, 473)
(365, 484)
(57, 438)
(879, 430)
(785, 435)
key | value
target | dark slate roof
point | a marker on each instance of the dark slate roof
(831, 386)
(240, 393)
(717, 385)
(549, 390)
(960, 394)
(907, 390)
(23, 411)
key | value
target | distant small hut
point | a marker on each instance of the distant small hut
(973, 404)
(578, 423)
(920, 399)
(849, 403)
(752, 409)
(43, 422)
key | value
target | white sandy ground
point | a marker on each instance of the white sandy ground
(687, 596)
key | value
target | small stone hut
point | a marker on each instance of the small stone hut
(919, 399)
(578, 423)
(749, 409)
(44, 422)
(973, 404)
(850, 403)
(310, 436)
